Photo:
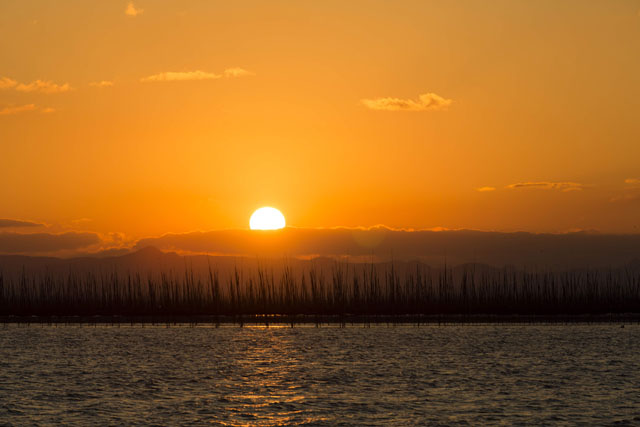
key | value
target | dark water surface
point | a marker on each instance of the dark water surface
(402, 375)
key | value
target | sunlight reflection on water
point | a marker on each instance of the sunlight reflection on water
(382, 375)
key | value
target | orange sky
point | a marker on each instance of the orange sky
(174, 116)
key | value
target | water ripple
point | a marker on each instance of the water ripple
(232, 376)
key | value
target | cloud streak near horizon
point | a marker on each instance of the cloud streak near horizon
(425, 102)
(40, 86)
(548, 185)
(37, 243)
(10, 223)
(176, 76)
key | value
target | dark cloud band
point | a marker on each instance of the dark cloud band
(23, 243)
(11, 223)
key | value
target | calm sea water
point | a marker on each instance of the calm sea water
(403, 375)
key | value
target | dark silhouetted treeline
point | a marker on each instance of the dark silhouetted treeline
(339, 289)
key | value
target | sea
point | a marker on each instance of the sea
(489, 374)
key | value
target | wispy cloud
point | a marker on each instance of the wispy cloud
(485, 189)
(175, 76)
(131, 10)
(7, 83)
(237, 72)
(43, 87)
(425, 102)
(632, 181)
(101, 84)
(549, 185)
(17, 109)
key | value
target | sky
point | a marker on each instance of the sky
(136, 119)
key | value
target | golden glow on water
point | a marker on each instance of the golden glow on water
(330, 376)
(268, 364)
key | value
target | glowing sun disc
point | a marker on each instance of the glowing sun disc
(267, 218)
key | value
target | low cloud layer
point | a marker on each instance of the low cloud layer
(176, 76)
(38, 243)
(434, 247)
(11, 223)
(437, 248)
(485, 189)
(425, 102)
(548, 185)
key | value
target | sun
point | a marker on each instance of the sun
(267, 218)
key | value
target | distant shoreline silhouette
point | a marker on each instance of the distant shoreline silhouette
(152, 283)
